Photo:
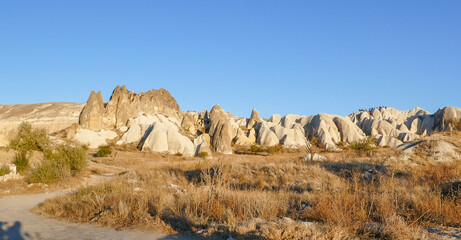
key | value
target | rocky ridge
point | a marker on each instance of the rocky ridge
(153, 122)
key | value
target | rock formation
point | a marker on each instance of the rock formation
(254, 118)
(124, 105)
(220, 130)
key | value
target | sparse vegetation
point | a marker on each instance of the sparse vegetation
(21, 160)
(363, 145)
(103, 151)
(203, 154)
(29, 139)
(65, 161)
(271, 199)
(4, 170)
(256, 148)
(179, 154)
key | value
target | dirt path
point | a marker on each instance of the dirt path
(17, 222)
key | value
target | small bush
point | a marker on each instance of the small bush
(74, 157)
(363, 145)
(203, 154)
(4, 170)
(103, 151)
(29, 139)
(21, 160)
(256, 148)
(179, 154)
(63, 162)
(275, 149)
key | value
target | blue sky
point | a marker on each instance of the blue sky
(301, 57)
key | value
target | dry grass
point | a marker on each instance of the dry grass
(275, 197)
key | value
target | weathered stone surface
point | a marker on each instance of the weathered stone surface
(447, 119)
(124, 105)
(133, 135)
(387, 141)
(93, 112)
(221, 131)
(254, 118)
(276, 118)
(189, 122)
(202, 143)
(266, 137)
(52, 117)
(90, 138)
(325, 128)
(166, 139)
(242, 139)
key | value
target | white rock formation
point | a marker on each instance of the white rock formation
(163, 139)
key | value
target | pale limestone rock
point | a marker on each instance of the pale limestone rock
(387, 141)
(289, 120)
(202, 143)
(408, 137)
(254, 118)
(349, 132)
(266, 137)
(189, 122)
(323, 127)
(276, 118)
(108, 134)
(157, 140)
(133, 135)
(90, 138)
(221, 131)
(52, 117)
(446, 118)
(242, 139)
(93, 112)
(315, 157)
(162, 139)
(124, 105)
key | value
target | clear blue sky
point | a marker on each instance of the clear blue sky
(301, 57)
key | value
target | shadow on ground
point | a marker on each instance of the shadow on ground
(12, 231)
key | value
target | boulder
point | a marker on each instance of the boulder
(90, 138)
(389, 141)
(133, 135)
(162, 139)
(221, 131)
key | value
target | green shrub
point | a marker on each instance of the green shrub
(4, 170)
(74, 157)
(63, 162)
(49, 172)
(256, 148)
(29, 139)
(203, 154)
(103, 151)
(21, 160)
(179, 154)
(363, 145)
